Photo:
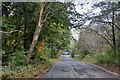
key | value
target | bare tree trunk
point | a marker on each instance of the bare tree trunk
(36, 35)
(113, 33)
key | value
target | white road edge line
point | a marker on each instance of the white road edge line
(105, 70)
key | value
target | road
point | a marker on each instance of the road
(66, 67)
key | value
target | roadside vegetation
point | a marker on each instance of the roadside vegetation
(33, 38)
(31, 71)
(99, 42)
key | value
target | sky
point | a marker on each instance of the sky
(86, 5)
(81, 7)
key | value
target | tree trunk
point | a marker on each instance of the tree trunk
(113, 33)
(0, 38)
(36, 35)
(25, 26)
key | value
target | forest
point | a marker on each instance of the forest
(33, 35)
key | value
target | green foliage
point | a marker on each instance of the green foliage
(104, 58)
(2, 53)
(21, 23)
(29, 71)
(46, 52)
(72, 52)
(108, 57)
(21, 28)
(43, 56)
(118, 59)
(39, 58)
(55, 32)
(17, 58)
(91, 58)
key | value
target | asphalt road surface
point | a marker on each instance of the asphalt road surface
(66, 67)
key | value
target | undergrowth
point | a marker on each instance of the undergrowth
(29, 71)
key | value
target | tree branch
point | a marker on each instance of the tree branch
(108, 23)
(102, 37)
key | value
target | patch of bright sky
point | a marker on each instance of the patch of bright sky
(84, 6)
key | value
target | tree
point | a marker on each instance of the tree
(101, 33)
(17, 32)
(36, 34)
(52, 29)
(54, 24)
(107, 14)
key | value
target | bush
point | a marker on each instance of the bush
(103, 58)
(73, 53)
(42, 55)
(17, 58)
(117, 61)
(107, 57)
(118, 48)
(91, 58)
